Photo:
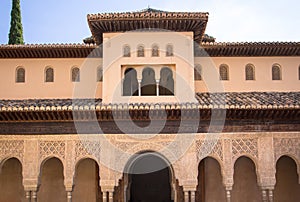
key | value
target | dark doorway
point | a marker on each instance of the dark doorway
(149, 179)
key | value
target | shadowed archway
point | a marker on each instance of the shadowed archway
(149, 178)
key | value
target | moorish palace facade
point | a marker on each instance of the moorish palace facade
(150, 91)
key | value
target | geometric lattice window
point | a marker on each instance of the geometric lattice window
(99, 74)
(75, 74)
(250, 72)
(155, 51)
(276, 72)
(169, 50)
(49, 74)
(140, 51)
(126, 51)
(20, 75)
(223, 70)
(197, 72)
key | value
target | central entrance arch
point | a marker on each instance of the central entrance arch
(149, 178)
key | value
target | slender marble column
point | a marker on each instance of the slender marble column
(193, 196)
(104, 196)
(140, 88)
(264, 195)
(110, 196)
(27, 195)
(271, 195)
(228, 195)
(186, 196)
(33, 196)
(157, 87)
(69, 196)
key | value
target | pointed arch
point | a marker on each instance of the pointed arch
(166, 82)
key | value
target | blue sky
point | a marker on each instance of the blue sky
(64, 21)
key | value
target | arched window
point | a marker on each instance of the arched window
(250, 72)
(155, 51)
(49, 74)
(140, 51)
(99, 74)
(166, 82)
(223, 70)
(169, 50)
(276, 72)
(126, 51)
(148, 84)
(20, 75)
(197, 72)
(130, 83)
(75, 74)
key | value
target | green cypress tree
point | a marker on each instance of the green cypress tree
(16, 29)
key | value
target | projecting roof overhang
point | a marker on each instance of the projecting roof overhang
(148, 19)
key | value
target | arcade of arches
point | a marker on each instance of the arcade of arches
(246, 167)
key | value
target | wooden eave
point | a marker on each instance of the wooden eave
(248, 49)
(50, 51)
(122, 22)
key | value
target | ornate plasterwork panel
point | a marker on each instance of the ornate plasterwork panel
(52, 148)
(209, 148)
(11, 148)
(244, 147)
(287, 146)
(87, 149)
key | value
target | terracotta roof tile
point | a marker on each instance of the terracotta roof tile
(244, 100)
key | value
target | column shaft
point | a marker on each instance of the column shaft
(110, 196)
(27, 196)
(264, 195)
(193, 196)
(69, 196)
(271, 195)
(104, 196)
(33, 196)
(186, 196)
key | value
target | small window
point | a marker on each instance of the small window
(169, 50)
(250, 72)
(20, 75)
(155, 51)
(140, 51)
(75, 73)
(197, 73)
(49, 74)
(299, 73)
(276, 72)
(223, 70)
(126, 51)
(99, 74)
